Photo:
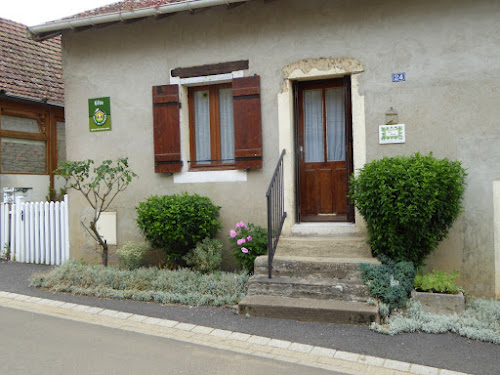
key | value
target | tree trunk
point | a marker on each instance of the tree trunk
(104, 254)
(101, 242)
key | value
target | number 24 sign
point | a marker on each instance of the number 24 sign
(398, 77)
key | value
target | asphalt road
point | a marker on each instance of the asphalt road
(448, 351)
(38, 344)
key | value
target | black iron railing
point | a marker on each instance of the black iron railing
(275, 211)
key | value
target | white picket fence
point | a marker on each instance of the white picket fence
(35, 232)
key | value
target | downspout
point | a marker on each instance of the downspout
(58, 26)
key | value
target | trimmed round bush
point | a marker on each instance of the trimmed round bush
(176, 223)
(409, 203)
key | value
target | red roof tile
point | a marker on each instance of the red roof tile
(27, 68)
(124, 6)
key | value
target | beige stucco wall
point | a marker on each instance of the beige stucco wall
(449, 102)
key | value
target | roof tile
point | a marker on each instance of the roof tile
(124, 6)
(27, 68)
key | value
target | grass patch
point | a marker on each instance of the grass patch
(181, 286)
(480, 321)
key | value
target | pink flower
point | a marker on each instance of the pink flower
(244, 250)
(241, 224)
(249, 238)
(232, 233)
(241, 241)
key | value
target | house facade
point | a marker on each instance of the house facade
(205, 95)
(32, 127)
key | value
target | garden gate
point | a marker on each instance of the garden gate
(35, 232)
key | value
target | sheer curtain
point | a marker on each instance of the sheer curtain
(202, 127)
(226, 125)
(313, 125)
(335, 119)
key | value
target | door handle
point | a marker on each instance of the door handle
(301, 152)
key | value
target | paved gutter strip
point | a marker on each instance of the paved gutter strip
(314, 356)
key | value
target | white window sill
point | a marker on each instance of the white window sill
(210, 176)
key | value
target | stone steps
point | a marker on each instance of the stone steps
(322, 288)
(327, 247)
(309, 309)
(315, 267)
(314, 278)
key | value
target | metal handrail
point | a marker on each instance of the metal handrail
(276, 214)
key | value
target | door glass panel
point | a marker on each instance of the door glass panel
(226, 125)
(335, 120)
(202, 126)
(313, 125)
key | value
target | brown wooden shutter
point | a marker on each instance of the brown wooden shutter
(167, 139)
(247, 123)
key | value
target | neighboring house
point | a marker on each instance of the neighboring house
(31, 110)
(205, 94)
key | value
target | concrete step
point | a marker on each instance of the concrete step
(343, 269)
(305, 309)
(322, 289)
(326, 229)
(329, 247)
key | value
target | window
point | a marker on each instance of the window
(23, 145)
(211, 126)
(225, 127)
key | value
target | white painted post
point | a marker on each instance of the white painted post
(46, 233)
(19, 233)
(57, 242)
(4, 213)
(66, 228)
(32, 228)
(52, 239)
(13, 240)
(38, 249)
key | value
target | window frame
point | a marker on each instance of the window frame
(215, 132)
(42, 135)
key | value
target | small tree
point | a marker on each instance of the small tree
(99, 187)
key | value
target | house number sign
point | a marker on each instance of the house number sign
(99, 114)
(391, 134)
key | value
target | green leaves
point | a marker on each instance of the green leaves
(99, 186)
(390, 282)
(176, 223)
(409, 203)
(438, 282)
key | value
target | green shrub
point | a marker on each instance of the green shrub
(145, 284)
(133, 254)
(409, 203)
(176, 223)
(390, 282)
(247, 242)
(438, 282)
(206, 257)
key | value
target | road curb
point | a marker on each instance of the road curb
(308, 355)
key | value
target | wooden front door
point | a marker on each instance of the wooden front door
(324, 150)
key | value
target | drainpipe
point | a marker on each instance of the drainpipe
(48, 30)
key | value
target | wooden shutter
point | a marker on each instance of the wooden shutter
(167, 139)
(247, 123)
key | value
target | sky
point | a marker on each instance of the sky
(36, 12)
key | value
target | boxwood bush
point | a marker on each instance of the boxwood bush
(176, 223)
(409, 203)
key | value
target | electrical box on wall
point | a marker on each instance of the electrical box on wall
(106, 226)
